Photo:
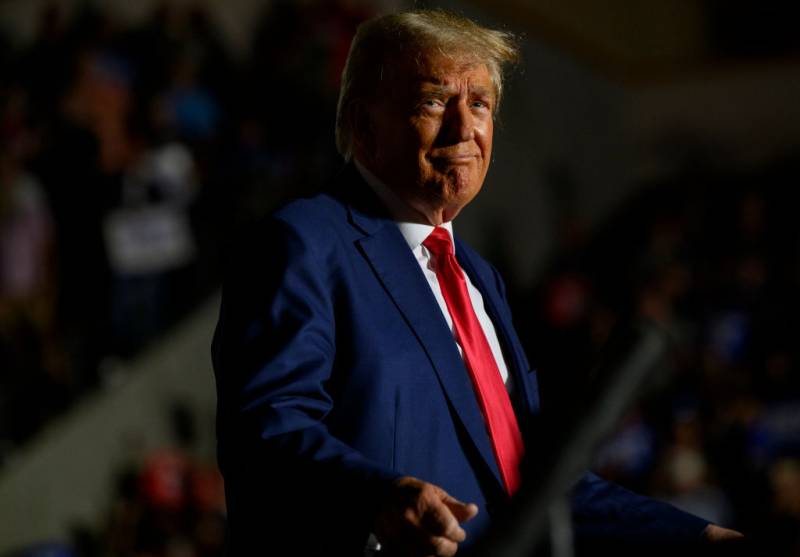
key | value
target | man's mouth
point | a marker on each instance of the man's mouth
(453, 159)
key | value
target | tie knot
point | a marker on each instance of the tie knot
(438, 242)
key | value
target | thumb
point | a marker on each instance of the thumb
(462, 511)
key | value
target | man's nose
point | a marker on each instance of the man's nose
(459, 122)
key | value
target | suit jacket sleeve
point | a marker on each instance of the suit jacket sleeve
(613, 517)
(290, 482)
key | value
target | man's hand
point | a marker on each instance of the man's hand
(421, 519)
(718, 534)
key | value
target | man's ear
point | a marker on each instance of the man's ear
(363, 130)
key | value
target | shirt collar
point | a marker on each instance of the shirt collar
(414, 233)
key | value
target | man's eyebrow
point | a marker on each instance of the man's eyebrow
(437, 87)
(482, 91)
(433, 85)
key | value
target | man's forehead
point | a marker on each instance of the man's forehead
(440, 70)
(449, 83)
(439, 65)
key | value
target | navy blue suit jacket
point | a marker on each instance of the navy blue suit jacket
(337, 373)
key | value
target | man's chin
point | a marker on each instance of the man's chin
(456, 179)
(459, 189)
(450, 197)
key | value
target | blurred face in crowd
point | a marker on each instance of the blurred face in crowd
(428, 134)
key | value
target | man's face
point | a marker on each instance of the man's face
(429, 135)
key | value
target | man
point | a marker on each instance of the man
(372, 390)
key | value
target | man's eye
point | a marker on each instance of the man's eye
(432, 104)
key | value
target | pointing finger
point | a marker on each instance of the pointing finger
(462, 511)
(438, 520)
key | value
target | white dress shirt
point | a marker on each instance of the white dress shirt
(414, 235)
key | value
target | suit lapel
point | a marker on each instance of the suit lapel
(395, 267)
(503, 326)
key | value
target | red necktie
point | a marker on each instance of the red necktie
(491, 392)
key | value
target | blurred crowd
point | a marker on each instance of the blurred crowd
(714, 258)
(168, 502)
(128, 154)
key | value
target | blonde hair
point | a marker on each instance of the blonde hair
(409, 35)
